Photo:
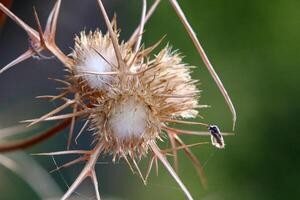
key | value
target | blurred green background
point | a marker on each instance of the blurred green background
(254, 46)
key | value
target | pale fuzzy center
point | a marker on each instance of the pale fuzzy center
(128, 119)
(94, 63)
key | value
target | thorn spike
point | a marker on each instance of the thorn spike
(141, 26)
(27, 54)
(204, 57)
(169, 168)
(194, 159)
(39, 27)
(113, 37)
(31, 32)
(87, 171)
(135, 34)
(174, 150)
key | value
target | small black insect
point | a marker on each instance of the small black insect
(216, 136)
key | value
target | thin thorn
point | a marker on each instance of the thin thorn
(183, 146)
(141, 27)
(21, 58)
(113, 37)
(99, 73)
(183, 122)
(54, 20)
(195, 161)
(128, 163)
(174, 151)
(71, 131)
(58, 153)
(149, 168)
(95, 183)
(68, 164)
(156, 165)
(148, 15)
(31, 32)
(53, 112)
(204, 57)
(59, 117)
(39, 27)
(169, 168)
(81, 130)
(86, 172)
(138, 169)
(110, 64)
(180, 131)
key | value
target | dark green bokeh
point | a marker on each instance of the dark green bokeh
(254, 46)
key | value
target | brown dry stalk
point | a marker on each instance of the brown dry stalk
(23, 144)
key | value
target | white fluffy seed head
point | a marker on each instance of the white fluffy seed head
(94, 53)
(93, 62)
(128, 119)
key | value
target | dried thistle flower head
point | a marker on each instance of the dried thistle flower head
(127, 95)
(130, 106)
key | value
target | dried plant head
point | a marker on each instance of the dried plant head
(128, 96)
(130, 106)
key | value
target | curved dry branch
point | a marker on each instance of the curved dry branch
(35, 139)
